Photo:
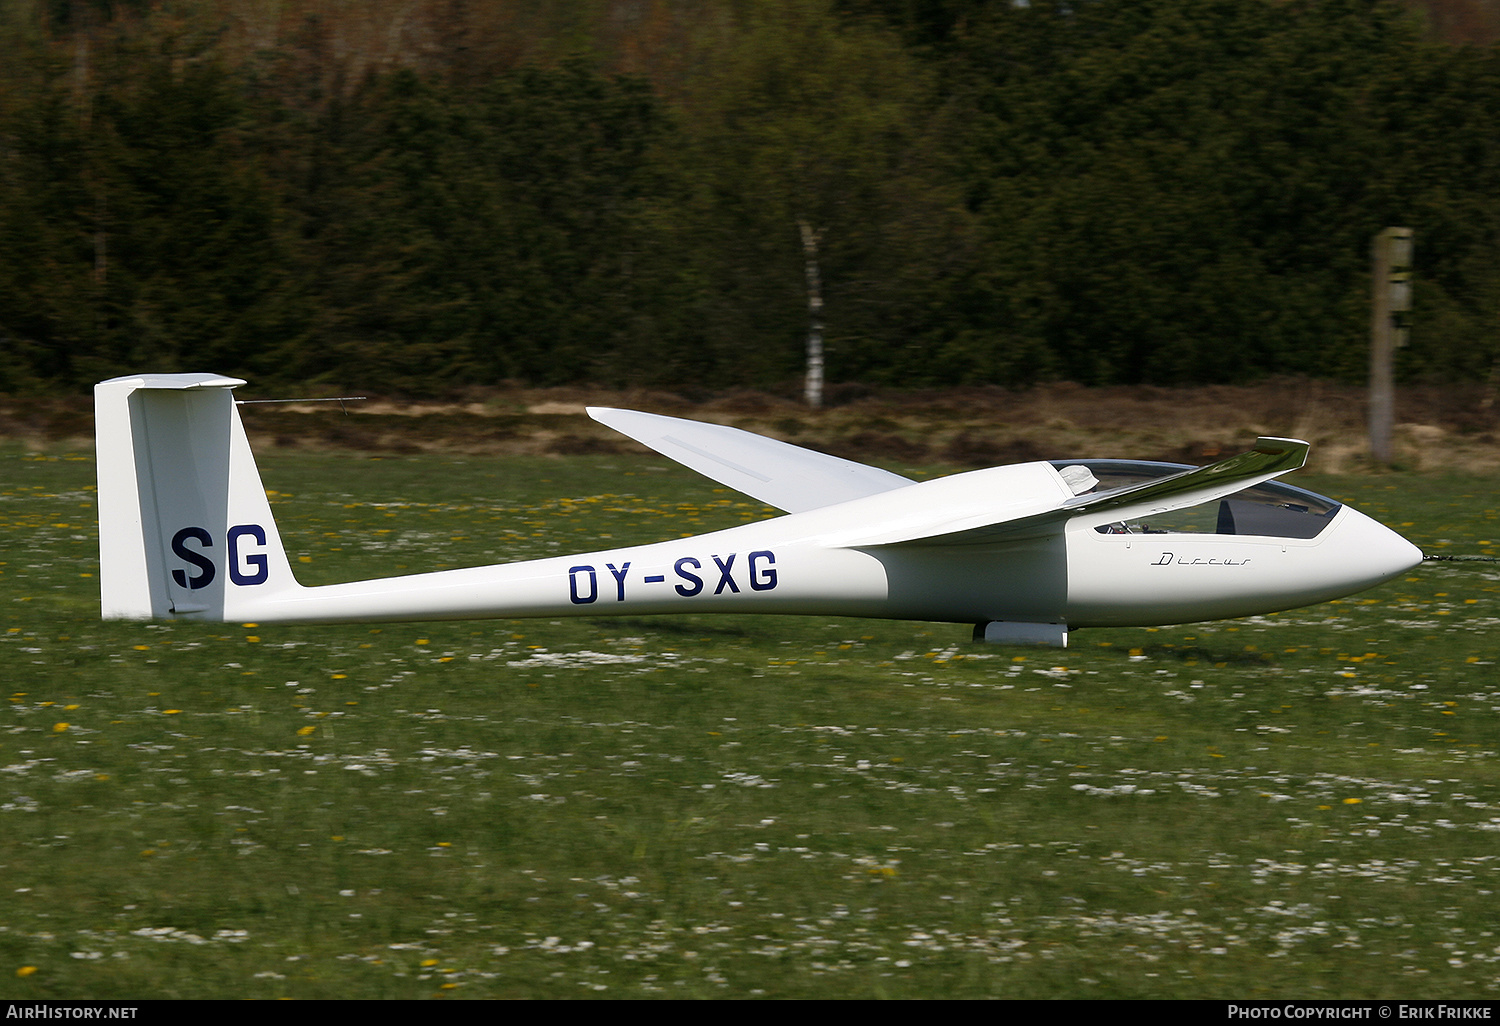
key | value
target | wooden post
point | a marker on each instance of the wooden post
(1390, 293)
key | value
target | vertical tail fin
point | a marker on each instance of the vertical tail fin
(185, 530)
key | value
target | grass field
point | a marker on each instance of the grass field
(1298, 805)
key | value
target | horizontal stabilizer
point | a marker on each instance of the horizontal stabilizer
(173, 382)
(779, 474)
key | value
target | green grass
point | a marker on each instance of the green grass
(1298, 805)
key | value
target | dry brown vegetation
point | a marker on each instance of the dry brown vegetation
(1439, 428)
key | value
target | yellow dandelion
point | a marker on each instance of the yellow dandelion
(1353, 801)
(428, 963)
(59, 728)
(26, 970)
(304, 731)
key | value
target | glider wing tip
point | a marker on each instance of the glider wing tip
(1277, 443)
(1293, 450)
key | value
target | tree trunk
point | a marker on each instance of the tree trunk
(814, 387)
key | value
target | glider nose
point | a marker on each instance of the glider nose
(1376, 553)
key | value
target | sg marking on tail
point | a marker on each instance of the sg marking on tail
(259, 567)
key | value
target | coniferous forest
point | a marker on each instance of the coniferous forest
(414, 196)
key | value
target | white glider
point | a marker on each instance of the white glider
(1026, 553)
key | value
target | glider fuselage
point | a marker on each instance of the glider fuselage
(799, 563)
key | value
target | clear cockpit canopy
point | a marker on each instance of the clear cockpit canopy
(1268, 510)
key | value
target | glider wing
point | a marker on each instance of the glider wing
(779, 474)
